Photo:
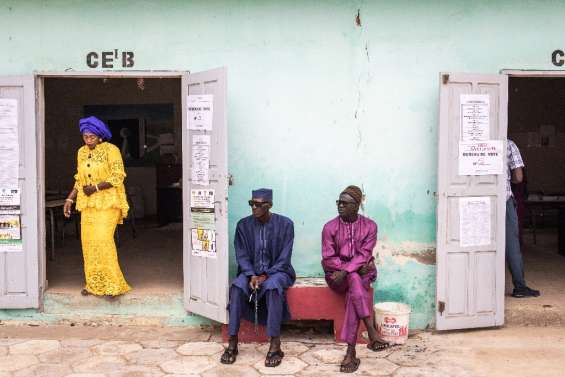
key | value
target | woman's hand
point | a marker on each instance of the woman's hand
(89, 190)
(67, 208)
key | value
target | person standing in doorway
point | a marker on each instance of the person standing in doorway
(263, 250)
(515, 174)
(348, 241)
(100, 197)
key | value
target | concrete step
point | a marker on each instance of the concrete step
(131, 308)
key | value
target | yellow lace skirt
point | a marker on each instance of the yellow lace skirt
(101, 267)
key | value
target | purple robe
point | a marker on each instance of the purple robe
(347, 247)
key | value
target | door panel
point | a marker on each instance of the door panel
(470, 280)
(206, 279)
(19, 271)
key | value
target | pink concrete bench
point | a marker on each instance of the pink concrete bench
(308, 299)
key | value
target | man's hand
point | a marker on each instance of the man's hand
(89, 190)
(256, 281)
(366, 268)
(338, 276)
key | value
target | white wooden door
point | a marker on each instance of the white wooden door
(206, 279)
(470, 280)
(19, 271)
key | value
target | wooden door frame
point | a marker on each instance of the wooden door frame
(40, 147)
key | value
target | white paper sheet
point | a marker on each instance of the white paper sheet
(201, 140)
(200, 165)
(481, 158)
(202, 198)
(9, 143)
(9, 200)
(474, 221)
(203, 243)
(475, 117)
(200, 112)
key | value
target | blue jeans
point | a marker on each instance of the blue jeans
(513, 252)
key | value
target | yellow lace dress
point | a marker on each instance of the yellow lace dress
(101, 212)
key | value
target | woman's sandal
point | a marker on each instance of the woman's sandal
(274, 359)
(229, 356)
(377, 345)
(84, 292)
(350, 367)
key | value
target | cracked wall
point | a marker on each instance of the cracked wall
(320, 95)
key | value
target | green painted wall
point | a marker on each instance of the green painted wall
(315, 101)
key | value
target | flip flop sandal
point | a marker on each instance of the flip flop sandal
(377, 346)
(350, 367)
(272, 361)
(229, 356)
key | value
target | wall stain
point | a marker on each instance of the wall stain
(358, 18)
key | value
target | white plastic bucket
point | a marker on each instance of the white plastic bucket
(391, 321)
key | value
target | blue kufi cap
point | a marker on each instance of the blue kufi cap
(262, 193)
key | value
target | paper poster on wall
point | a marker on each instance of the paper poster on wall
(200, 165)
(200, 112)
(475, 117)
(481, 158)
(204, 243)
(474, 221)
(9, 143)
(10, 233)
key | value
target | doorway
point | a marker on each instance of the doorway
(536, 123)
(144, 115)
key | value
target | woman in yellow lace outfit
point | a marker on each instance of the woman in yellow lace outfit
(101, 198)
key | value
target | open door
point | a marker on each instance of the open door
(19, 268)
(470, 279)
(206, 278)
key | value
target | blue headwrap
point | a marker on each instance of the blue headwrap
(95, 126)
(263, 193)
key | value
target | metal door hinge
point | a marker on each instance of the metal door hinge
(440, 307)
(230, 180)
(445, 78)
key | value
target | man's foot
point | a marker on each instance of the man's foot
(377, 345)
(229, 356)
(274, 359)
(350, 363)
(275, 355)
(525, 292)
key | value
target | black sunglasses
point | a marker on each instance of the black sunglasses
(253, 203)
(344, 203)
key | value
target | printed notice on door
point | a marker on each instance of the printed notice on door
(202, 209)
(10, 233)
(203, 243)
(200, 112)
(475, 117)
(9, 147)
(9, 200)
(200, 165)
(481, 158)
(474, 221)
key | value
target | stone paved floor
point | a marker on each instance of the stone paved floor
(108, 351)
(97, 354)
